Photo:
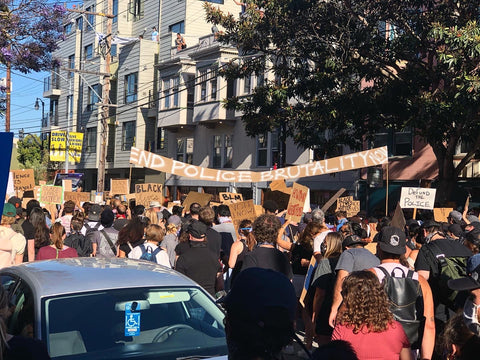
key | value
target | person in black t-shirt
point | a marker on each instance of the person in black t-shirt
(199, 263)
(427, 264)
(265, 230)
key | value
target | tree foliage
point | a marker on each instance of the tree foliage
(32, 154)
(29, 32)
(348, 69)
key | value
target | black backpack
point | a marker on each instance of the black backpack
(80, 243)
(406, 303)
(148, 254)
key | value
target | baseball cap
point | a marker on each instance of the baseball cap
(353, 240)
(175, 220)
(456, 230)
(15, 201)
(473, 218)
(270, 289)
(472, 281)
(94, 212)
(392, 240)
(9, 210)
(197, 229)
(455, 215)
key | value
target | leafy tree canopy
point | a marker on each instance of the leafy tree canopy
(32, 155)
(29, 31)
(347, 69)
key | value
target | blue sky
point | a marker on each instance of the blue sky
(25, 89)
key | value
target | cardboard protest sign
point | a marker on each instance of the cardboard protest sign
(441, 214)
(346, 203)
(367, 158)
(296, 202)
(196, 197)
(76, 197)
(23, 180)
(279, 197)
(67, 185)
(242, 211)
(145, 193)
(50, 194)
(417, 198)
(119, 186)
(258, 210)
(229, 198)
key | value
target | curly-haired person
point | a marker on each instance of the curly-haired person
(265, 229)
(365, 321)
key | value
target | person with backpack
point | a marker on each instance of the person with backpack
(410, 296)
(150, 250)
(365, 321)
(105, 239)
(76, 239)
(439, 260)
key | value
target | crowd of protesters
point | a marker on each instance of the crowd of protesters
(337, 268)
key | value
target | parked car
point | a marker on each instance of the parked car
(89, 308)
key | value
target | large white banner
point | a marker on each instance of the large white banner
(372, 157)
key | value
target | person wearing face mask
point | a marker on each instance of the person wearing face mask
(432, 259)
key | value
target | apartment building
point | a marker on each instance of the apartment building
(161, 99)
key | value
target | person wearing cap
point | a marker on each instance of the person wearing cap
(199, 263)
(93, 219)
(105, 241)
(428, 264)
(260, 315)
(158, 208)
(455, 217)
(265, 229)
(12, 244)
(472, 241)
(354, 258)
(391, 249)
(170, 241)
(471, 283)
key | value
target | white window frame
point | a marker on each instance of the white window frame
(223, 151)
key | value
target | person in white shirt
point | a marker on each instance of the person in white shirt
(154, 234)
(12, 244)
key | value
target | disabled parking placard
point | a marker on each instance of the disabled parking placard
(132, 319)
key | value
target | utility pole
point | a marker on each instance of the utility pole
(7, 98)
(105, 92)
(105, 106)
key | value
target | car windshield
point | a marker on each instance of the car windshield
(158, 323)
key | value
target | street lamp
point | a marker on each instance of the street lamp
(37, 106)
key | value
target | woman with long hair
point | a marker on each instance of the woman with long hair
(323, 282)
(131, 235)
(58, 250)
(365, 321)
(42, 236)
(245, 242)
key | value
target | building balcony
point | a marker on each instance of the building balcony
(51, 86)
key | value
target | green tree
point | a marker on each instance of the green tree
(32, 155)
(346, 70)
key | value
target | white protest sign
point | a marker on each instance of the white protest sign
(417, 198)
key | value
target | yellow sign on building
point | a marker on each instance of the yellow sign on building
(58, 145)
